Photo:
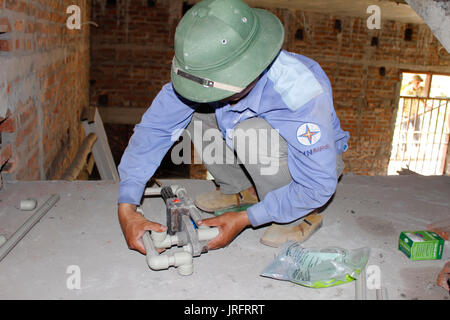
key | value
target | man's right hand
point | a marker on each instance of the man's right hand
(134, 225)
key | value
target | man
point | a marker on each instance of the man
(229, 74)
(414, 88)
(413, 113)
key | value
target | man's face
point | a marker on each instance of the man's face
(238, 96)
(416, 84)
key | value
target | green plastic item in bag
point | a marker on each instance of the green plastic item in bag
(316, 267)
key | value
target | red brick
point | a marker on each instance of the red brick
(19, 25)
(5, 45)
(12, 4)
(5, 26)
(8, 125)
(5, 154)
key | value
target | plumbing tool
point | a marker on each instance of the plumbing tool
(182, 230)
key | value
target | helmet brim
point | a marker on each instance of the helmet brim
(243, 70)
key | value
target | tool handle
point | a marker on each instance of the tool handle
(167, 193)
(156, 191)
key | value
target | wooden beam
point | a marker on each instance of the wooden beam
(101, 150)
(80, 160)
(396, 10)
(88, 114)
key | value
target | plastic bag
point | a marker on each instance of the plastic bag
(315, 267)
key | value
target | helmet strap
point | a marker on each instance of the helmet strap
(205, 82)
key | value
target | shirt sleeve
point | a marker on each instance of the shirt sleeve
(311, 161)
(152, 137)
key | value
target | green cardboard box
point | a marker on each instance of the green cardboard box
(421, 245)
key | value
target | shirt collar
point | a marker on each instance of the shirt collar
(253, 98)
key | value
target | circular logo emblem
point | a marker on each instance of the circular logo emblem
(308, 134)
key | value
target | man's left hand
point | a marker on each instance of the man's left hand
(230, 224)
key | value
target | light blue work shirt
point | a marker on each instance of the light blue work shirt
(294, 96)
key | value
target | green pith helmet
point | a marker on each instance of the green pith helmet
(221, 46)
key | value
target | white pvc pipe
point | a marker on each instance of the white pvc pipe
(23, 230)
(28, 204)
(361, 286)
(381, 294)
(182, 260)
(207, 234)
(184, 263)
(163, 240)
(2, 240)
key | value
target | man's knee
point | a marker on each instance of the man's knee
(256, 142)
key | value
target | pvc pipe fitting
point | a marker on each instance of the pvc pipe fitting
(186, 269)
(181, 260)
(163, 240)
(155, 261)
(159, 262)
(184, 263)
(188, 248)
(28, 204)
(22, 231)
(207, 234)
(158, 236)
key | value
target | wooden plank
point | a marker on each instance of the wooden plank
(90, 164)
(88, 114)
(101, 150)
(80, 160)
(117, 115)
(396, 10)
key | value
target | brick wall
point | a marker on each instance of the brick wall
(131, 60)
(131, 54)
(364, 67)
(44, 86)
(131, 50)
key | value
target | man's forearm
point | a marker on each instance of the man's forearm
(123, 207)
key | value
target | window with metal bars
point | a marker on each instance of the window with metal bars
(422, 125)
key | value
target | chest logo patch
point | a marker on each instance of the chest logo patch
(308, 134)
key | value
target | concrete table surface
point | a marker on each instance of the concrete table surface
(82, 230)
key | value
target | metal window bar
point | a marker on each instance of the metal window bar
(444, 139)
(422, 135)
(405, 142)
(415, 146)
(397, 132)
(434, 137)
(416, 117)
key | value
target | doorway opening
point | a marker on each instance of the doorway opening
(422, 125)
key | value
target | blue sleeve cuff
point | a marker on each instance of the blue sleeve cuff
(257, 214)
(131, 192)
